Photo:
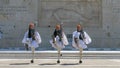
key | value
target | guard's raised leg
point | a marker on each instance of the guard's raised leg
(26, 47)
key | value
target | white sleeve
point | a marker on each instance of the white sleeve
(25, 37)
(38, 38)
(76, 35)
(87, 40)
(65, 40)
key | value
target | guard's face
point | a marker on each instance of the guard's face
(31, 26)
(58, 27)
(79, 28)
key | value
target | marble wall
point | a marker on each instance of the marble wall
(100, 19)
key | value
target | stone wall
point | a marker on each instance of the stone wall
(100, 19)
(14, 18)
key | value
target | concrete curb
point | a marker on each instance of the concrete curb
(65, 54)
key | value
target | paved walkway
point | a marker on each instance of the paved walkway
(65, 63)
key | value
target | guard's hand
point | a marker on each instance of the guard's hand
(53, 41)
(33, 37)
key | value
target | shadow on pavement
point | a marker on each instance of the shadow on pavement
(48, 64)
(70, 64)
(19, 63)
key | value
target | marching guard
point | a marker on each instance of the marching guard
(80, 40)
(59, 40)
(32, 39)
